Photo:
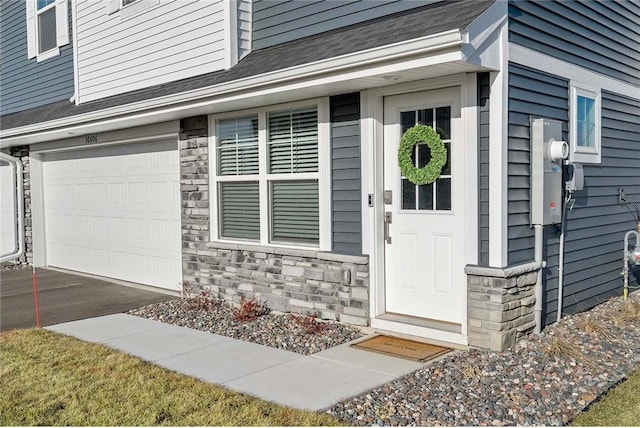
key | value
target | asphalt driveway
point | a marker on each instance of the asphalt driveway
(64, 297)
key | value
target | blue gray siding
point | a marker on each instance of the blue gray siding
(26, 83)
(603, 36)
(597, 224)
(531, 93)
(346, 211)
(280, 21)
(483, 168)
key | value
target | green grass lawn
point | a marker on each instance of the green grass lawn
(51, 379)
(620, 407)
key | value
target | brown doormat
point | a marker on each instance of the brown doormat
(403, 348)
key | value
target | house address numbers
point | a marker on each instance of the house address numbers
(92, 139)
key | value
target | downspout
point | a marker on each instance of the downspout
(539, 230)
(16, 164)
(563, 225)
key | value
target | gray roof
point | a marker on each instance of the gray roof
(432, 19)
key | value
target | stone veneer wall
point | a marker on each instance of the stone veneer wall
(330, 286)
(22, 153)
(500, 304)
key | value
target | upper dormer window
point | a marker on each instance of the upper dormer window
(47, 27)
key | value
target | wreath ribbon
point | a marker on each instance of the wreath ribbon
(430, 172)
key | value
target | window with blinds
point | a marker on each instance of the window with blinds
(295, 211)
(293, 141)
(287, 182)
(239, 210)
(237, 146)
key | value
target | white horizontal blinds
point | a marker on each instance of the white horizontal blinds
(295, 212)
(293, 141)
(240, 210)
(237, 146)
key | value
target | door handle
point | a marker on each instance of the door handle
(387, 222)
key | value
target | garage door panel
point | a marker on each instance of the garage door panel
(115, 211)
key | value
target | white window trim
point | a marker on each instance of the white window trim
(132, 9)
(62, 28)
(323, 175)
(579, 153)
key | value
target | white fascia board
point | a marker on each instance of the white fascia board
(577, 75)
(483, 37)
(253, 86)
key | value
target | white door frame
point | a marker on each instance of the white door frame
(372, 132)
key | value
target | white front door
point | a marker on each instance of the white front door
(424, 257)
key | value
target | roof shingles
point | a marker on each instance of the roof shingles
(432, 19)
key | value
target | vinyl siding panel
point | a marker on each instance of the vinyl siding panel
(280, 21)
(599, 36)
(595, 228)
(26, 83)
(346, 211)
(483, 168)
(244, 28)
(164, 42)
(531, 93)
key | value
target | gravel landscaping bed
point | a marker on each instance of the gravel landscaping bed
(282, 331)
(543, 380)
(13, 266)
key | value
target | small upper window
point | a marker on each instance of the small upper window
(47, 27)
(585, 124)
(47, 36)
(127, 8)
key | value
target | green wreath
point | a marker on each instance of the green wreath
(429, 173)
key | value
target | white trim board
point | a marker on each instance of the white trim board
(576, 74)
(498, 145)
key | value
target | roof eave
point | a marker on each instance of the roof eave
(157, 109)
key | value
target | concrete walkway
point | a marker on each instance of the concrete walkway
(313, 382)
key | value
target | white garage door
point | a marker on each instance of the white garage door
(115, 211)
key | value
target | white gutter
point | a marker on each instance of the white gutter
(18, 250)
(395, 51)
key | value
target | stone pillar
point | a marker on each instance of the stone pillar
(194, 191)
(22, 153)
(500, 304)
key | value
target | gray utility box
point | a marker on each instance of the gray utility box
(547, 153)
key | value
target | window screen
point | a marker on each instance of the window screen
(47, 38)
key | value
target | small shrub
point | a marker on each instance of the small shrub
(561, 348)
(310, 325)
(595, 326)
(200, 302)
(628, 313)
(249, 310)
